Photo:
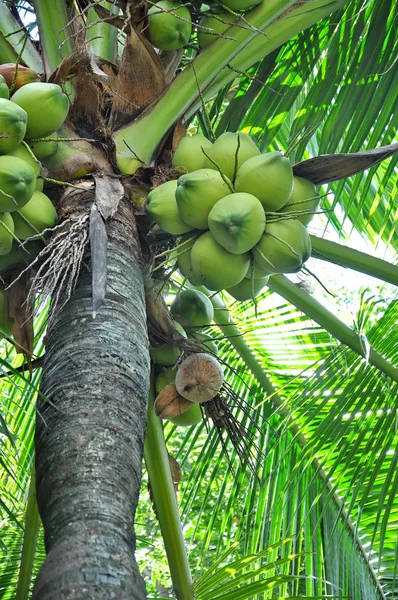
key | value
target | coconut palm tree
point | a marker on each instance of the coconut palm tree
(294, 494)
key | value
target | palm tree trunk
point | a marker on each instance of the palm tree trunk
(90, 432)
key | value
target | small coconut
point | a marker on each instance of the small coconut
(17, 183)
(284, 247)
(13, 123)
(168, 354)
(6, 231)
(304, 198)
(162, 206)
(46, 105)
(23, 151)
(197, 193)
(21, 256)
(164, 377)
(211, 25)
(170, 25)
(215, 267)
(189, 154)
(226, 152)
(36, 216)
(25, 75)
(184, 257)
(254, 271)
(246, 289)
(199, 378)
(192, 416)
(4, 91)
(205, 342)
(269, 177)
(237, 222)
(192, 308)
(46, 148)
(169, 403)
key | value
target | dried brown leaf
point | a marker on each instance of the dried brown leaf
(331, 167)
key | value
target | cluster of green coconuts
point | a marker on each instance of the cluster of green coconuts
(191, 311)
(241, 215)
(170, 23)
(33, 112)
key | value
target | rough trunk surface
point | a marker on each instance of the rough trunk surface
(90, 433)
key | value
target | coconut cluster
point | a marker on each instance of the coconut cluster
(182, 385)
(34, 112)
(242, 215)
(171, 23)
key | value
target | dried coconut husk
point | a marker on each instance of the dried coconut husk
(199, 378)
(169, 403)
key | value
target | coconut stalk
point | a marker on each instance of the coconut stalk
(136, 144)
(299, 18)
(314, 310)
(164, 496)
(353, 259)
(31, 534)
(90, 429)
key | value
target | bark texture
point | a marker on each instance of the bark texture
(90, 432)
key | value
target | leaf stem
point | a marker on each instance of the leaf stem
(157, 463)
(353, 259)
(314, 310)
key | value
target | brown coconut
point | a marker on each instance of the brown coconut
(199, 378)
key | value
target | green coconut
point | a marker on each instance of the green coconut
(238, 5)
(237, 222)
(170, 25)
(6, 231)
(215, 267)
(206, 342)
(269, 177)
(17, 183)
(21, 255)
(167, 355)
(247, 289)
(39, 184)
(6, 321)
(304, 198)
(13, 123)
(192, 308)
(225, 153)
(4, 91)
(23, 151)
(284, 247)
(164, 377)
(197, 193)
(217, 24)
(36, 216)
(184, 257)
(46, 148)
(254, 271)
(192, 416)
(46, 105)
(162, 206)
(189, 154)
